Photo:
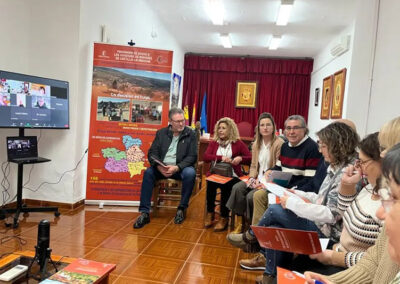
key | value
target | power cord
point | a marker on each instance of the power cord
(62, 175)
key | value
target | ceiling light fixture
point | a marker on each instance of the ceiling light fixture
(215, 10)
(284, 12)
(226, 40)
(275, 41)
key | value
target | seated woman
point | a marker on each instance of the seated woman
(265, 152)
(227, 148)
(361, 227)
(391, 206)
(376, 266)
(337, 143)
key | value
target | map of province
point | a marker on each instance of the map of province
(131, 160)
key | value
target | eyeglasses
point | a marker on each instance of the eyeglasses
(387, 200)
(360, 162)
(288, 128)
(321, 144)
(178, 121)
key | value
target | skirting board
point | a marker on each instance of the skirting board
(112, 202)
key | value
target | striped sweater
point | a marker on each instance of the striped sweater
(361, 227)
(300, 160)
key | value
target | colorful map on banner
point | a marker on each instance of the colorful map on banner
(130, 102)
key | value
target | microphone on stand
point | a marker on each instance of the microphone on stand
(43, 251)
(43, 242)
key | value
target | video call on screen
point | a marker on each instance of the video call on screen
(28, 101)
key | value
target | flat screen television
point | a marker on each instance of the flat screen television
(33, 102)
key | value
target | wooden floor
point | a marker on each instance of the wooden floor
(161, 252)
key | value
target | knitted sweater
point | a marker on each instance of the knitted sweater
(375, 267)
(300, 160)
(361, 227)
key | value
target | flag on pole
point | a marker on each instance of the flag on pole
(186, 109)
(193, 125)
(203, 116)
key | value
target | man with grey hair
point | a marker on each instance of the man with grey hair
(300, 156)
(172, 154)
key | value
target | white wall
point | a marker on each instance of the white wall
(42, 40)
(385, 99)
(372, 95)
(54, 38)
(325, 65)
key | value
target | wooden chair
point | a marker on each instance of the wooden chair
(167, 192)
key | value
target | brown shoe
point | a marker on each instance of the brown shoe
(209, 221)
(222, 224)
(256, 263)
(264, 279)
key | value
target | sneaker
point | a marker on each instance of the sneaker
(256, 263)
(142, 220)
(180, 216)
(245, 241)
(265, 279)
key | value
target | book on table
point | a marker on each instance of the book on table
(296, 241)
(81, 271)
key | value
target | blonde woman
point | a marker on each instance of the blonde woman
(228, 148)
(265, 152)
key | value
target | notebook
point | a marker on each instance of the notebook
(23, 149)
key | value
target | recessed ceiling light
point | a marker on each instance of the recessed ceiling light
(274, 42)
(226, 40)
(284, 12)
(215, 10)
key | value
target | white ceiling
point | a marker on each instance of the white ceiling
(251, 23)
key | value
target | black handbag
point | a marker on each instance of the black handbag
(222, 169)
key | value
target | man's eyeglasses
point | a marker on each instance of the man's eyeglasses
(178, 121)
(288, 128)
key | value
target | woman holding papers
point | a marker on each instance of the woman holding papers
(265, 152)
(337, 143)
(226, 148)
(381, 263)
(361, 227)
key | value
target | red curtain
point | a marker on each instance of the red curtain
(283, 86)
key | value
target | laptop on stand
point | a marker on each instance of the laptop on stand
(23, 150)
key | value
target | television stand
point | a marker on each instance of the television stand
(22, 208)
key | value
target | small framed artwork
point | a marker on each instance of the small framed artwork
(316, 98)
(339, 81)
(246, 94)
(326, 97)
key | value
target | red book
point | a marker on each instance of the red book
(286, 276)
(218, 179)
(81, 271)
(297, 241)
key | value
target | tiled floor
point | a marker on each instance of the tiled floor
(161, 252)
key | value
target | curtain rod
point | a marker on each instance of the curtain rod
(246, 56)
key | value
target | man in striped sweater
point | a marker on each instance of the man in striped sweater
(299, 156)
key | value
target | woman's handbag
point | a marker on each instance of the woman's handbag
(221, 168)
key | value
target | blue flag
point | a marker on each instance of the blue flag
(203, 116)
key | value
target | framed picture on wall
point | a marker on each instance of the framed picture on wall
(339, 81)
(326, 97)
(246, 94)
(316, 97)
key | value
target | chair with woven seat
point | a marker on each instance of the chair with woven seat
(167, 192)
